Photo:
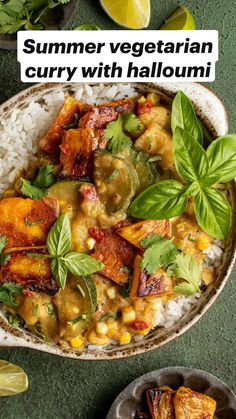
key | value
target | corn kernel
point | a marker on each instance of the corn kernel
(111, 292)
(77, 342)
(154, 98)
(101, 328)
(128, 315)
(90, 243)
(96, 340)
(145, 331)
(125, 338)
(112, 326)
(203, 242)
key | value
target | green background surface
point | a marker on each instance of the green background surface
(68, 389)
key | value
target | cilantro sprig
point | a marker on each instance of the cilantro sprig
(188, 273)
(8, 291)
(116, 132)
(160, 252)
(25, 14)
(38, 188)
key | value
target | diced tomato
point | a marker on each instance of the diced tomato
(145, 107)
(89, 192)
(139, 325)
(96, 233)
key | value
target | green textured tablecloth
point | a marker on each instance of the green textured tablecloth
(68, 389)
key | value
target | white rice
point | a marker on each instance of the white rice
(20, 132)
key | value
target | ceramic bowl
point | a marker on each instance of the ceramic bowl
(212, 113)
(131, 398)
(54, 20)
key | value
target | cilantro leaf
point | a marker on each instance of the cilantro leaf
(131, 122)
(14, 321)
(115, 132)
(45, 178)
(8, 291)
(38, 188)
(161, 252)
(188, 273)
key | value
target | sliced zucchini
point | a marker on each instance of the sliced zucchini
(75, 305)
(67, 193)
(116, 181)
(146, 172)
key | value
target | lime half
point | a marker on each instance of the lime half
(132, 14)
(13, 380)
(181, 19)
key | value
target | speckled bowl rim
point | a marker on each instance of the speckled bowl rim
(217, 123)
(185, 372)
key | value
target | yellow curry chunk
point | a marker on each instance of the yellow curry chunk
(192, 405)
(157, 141)
(145, 285)
(134, 233)
(25, 222)
(189, 237)
(30, 272)
(158, 114)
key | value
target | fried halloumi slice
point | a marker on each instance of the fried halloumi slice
(192, 405)
(145, 285)
(50, 142)
(160, 403)
(117, 255)
(100, 116)
(30, 272)
(157, 141)
(25, 222)
(77, 153)
(134, 233)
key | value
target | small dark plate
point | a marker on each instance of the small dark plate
(55, 19)
(130, 399)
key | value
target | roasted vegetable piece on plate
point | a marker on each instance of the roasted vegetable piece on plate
(190, 404)
(100, 116)
(26, 222)
(160, 403)
(149, 285)
(32, 273)
(69, 115)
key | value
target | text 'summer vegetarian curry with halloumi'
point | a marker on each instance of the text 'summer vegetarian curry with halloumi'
(119, 223)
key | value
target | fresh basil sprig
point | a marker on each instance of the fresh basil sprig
(183, 116)
(200, 170)
(62, 260)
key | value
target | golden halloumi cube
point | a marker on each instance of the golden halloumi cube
(156, 141)
(25, 222)
(30, 272)
(145, 285)
(192, 405)
(134, 233)
(160, 403)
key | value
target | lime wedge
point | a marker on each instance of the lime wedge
(181, 19)
(13, 380)
(132, 14)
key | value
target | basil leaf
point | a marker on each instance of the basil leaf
(222, 160)
(80, 264)
(59, 272)
(163, 200)
(213, 212)
(59, 237)
(190, 158)
(183, 116)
